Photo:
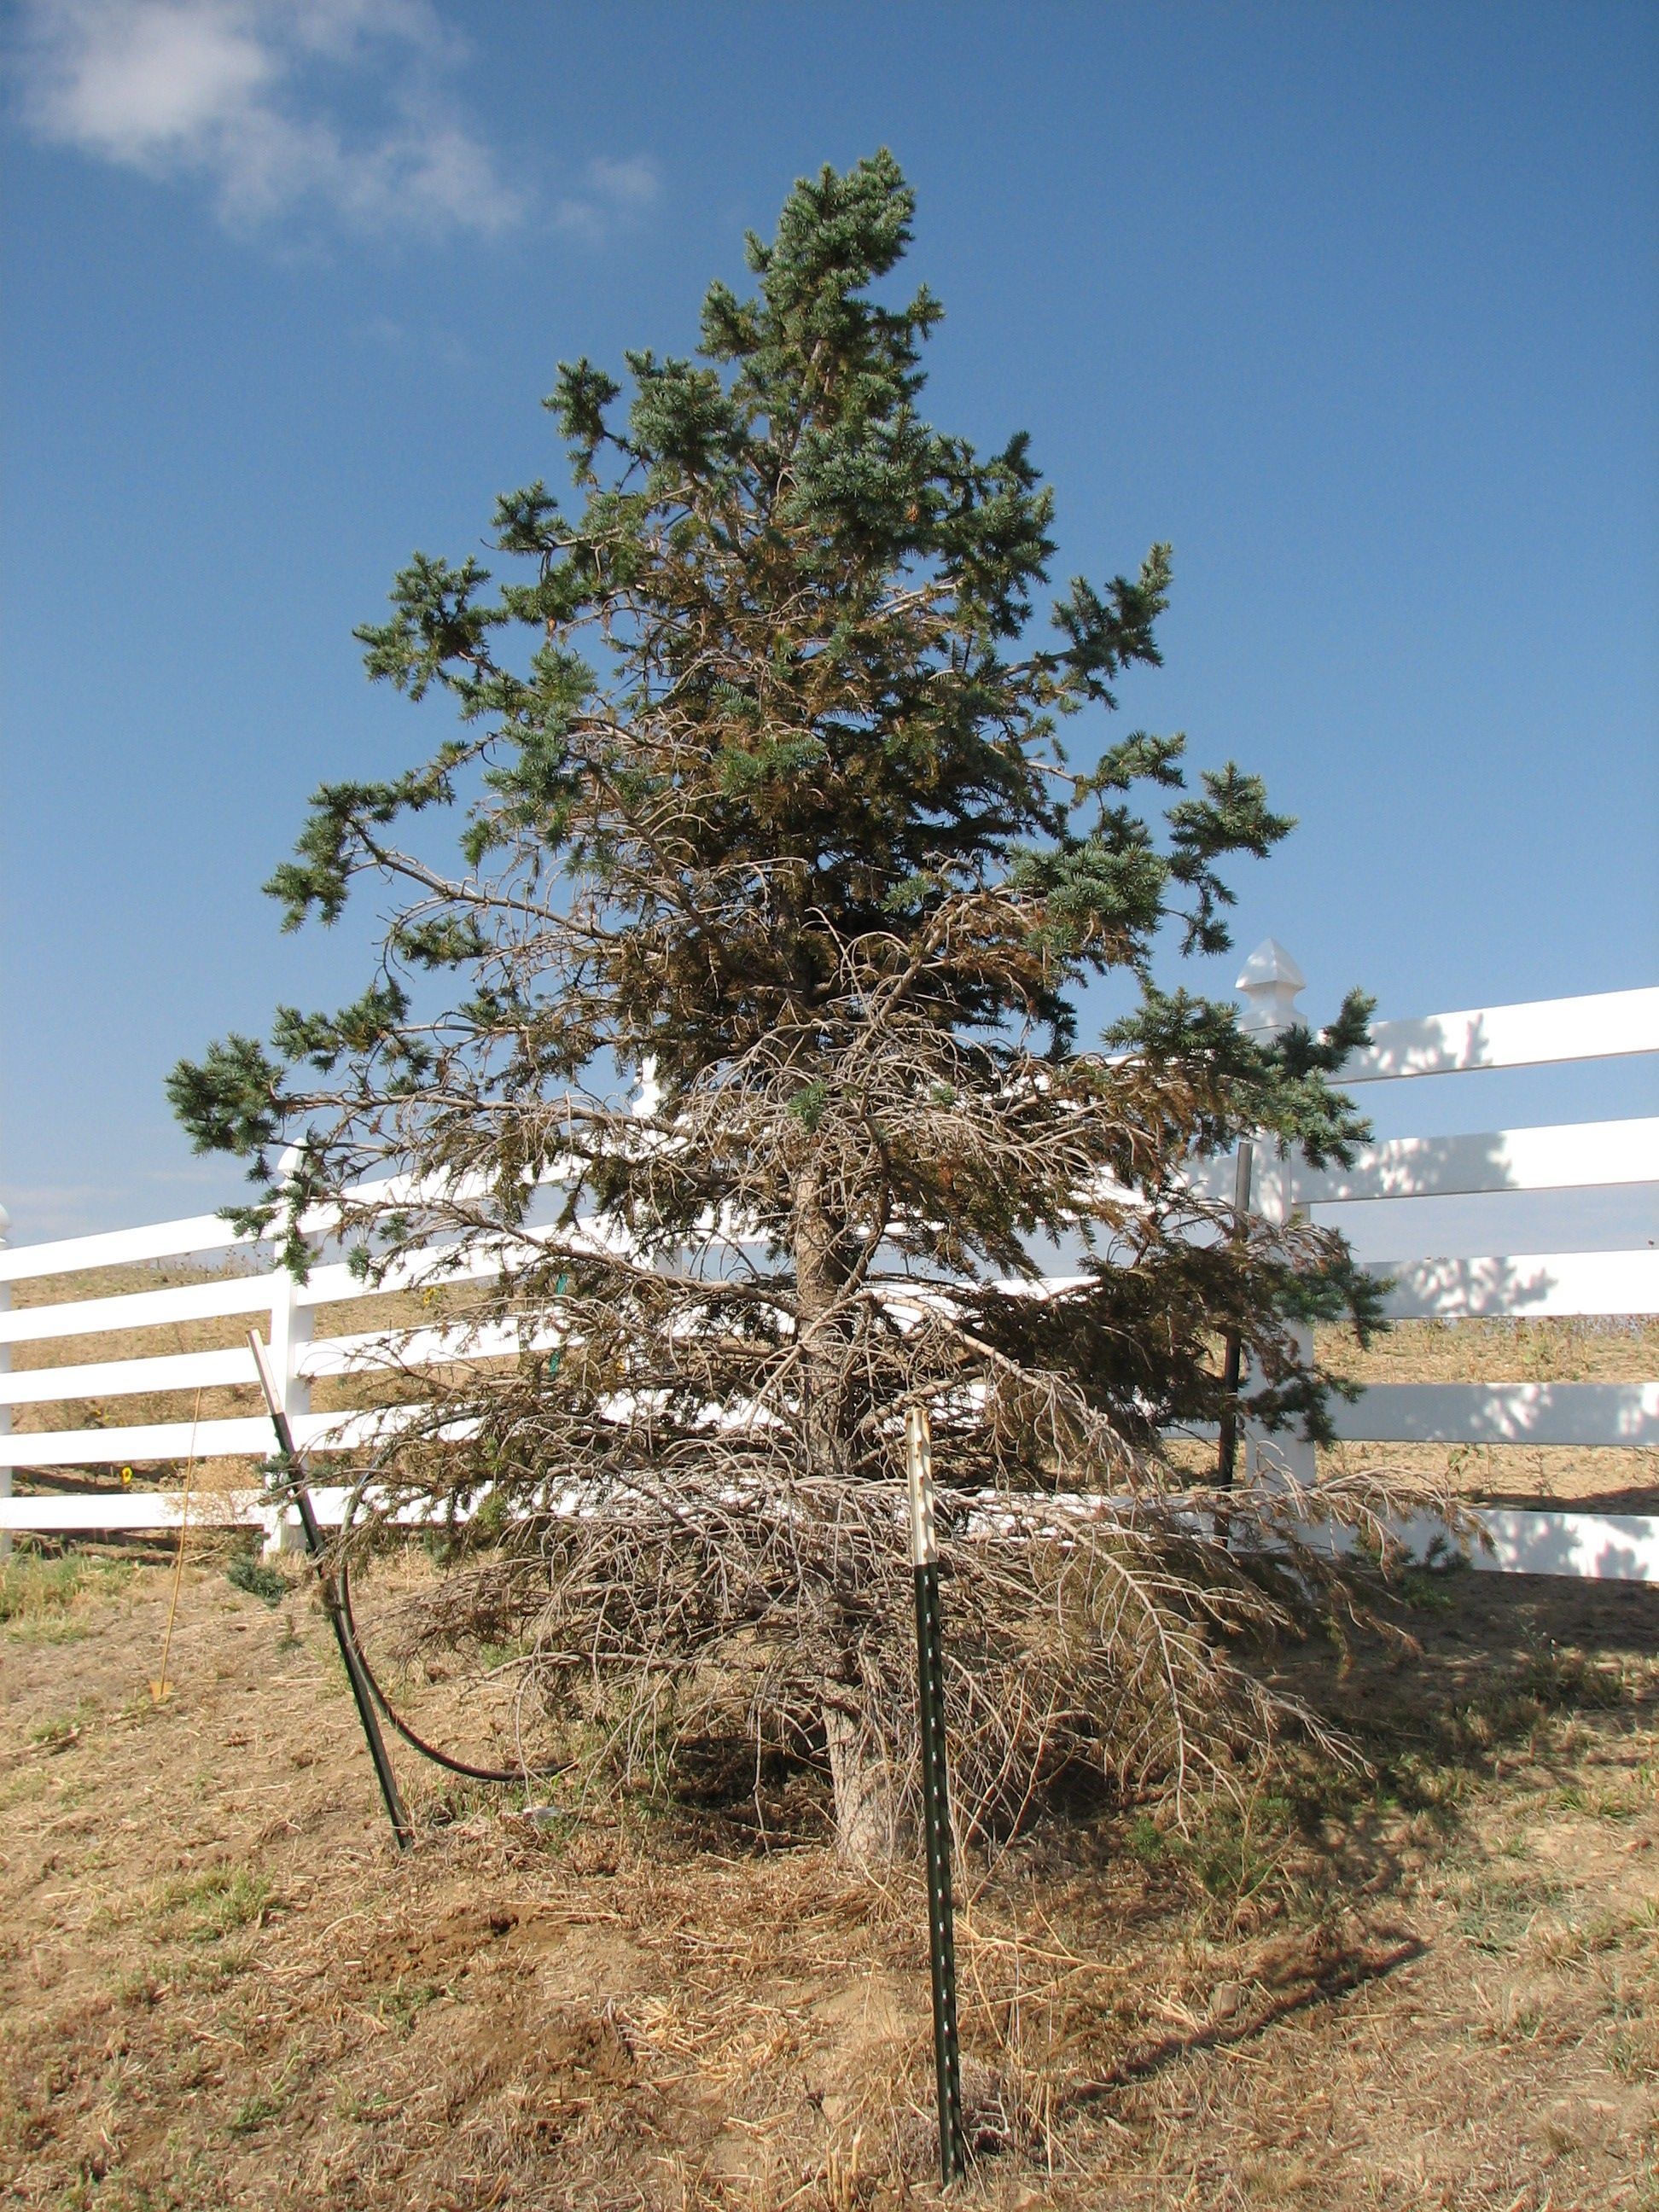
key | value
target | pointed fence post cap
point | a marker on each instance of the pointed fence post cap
(1270, 980)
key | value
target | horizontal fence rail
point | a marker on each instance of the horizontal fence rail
(1609, 1025)
(376, 1352)
(1597, 1416)
(1614, 1547)
(1519, 1285)
(1577, 1155)
(1573, 1156)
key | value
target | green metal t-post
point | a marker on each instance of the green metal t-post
(935, 1794)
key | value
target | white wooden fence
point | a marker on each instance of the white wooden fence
(1573, 1156)
(1557, 1284)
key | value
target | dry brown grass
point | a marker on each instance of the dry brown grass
(1433, 1988)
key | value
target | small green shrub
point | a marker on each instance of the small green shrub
(247, 1573)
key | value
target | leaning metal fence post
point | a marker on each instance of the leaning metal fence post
(1232, 1364)
(290, 1334)
(354, 1666)
(935, 1793)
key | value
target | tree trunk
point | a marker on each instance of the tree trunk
(866, 1813)
(817, 1285)
(867, 1825)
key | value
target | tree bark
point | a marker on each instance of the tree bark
(866, 1814)
(865, 1811)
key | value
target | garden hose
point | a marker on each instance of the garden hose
(462, 1766)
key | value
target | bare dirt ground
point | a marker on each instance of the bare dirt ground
(1435, 1984)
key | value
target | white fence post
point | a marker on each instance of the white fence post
(5, 1368)
(1270, 981)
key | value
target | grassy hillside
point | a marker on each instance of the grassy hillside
(1430, 1983)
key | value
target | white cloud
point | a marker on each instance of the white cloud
(236, 92)
(611, 194)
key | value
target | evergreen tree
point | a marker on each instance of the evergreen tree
(766, 811)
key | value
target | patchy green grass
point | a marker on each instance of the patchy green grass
(1498, 1909)
(25, 1787)
(209, 1906)
(39, 1595)
(60, 1730)
(254, 2113)
(406, 2000)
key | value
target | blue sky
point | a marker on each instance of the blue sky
(1355, 305)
